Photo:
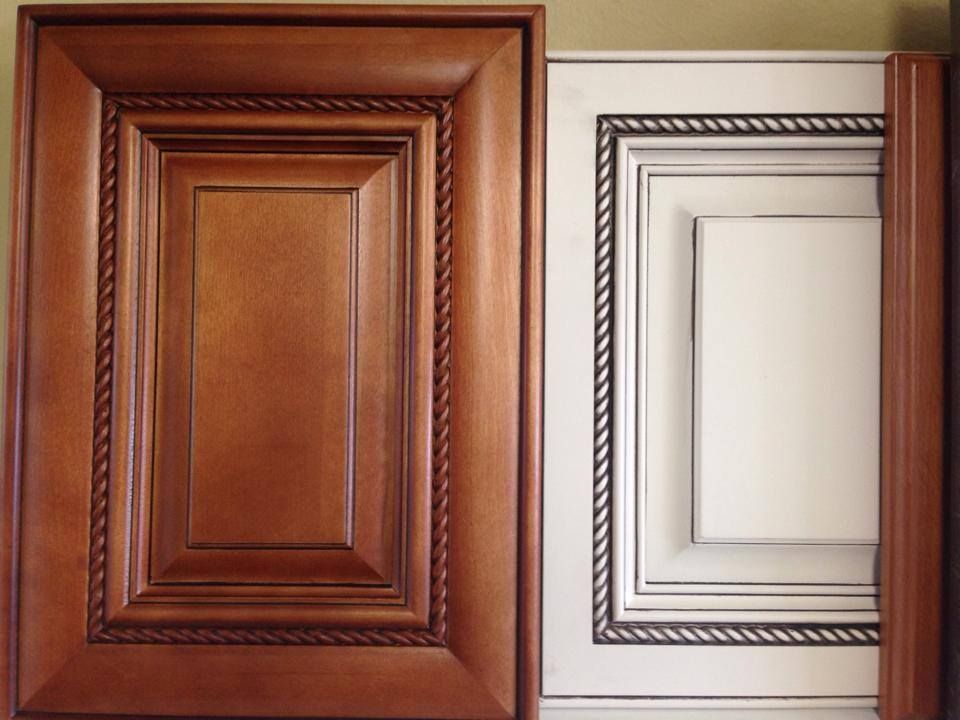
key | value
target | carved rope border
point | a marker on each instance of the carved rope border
(605, 630)
(97, 628)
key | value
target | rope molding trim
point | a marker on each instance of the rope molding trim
(738, 634)
(605, 629)
(866, 125)
(97, 628)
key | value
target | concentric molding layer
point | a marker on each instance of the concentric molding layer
(605, 629)
(97, 628)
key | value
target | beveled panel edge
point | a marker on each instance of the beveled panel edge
(179, 589)
(441, 66)
(402, 129)
(293, 622)
(605, 629)
(98, 629)
(654, 159)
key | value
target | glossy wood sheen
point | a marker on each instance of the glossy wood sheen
(385, 562)
(950, 674)
(273, 410)
(300, 405)
(272, 310)
(531, 449)
(20, 182)
(912, 445)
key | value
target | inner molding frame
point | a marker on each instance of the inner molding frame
(607, 629)
(100, 629)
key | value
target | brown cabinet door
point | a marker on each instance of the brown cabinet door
(273, 388)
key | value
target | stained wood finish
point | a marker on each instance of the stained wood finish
(912, 404)
(281, 335)
(377, 577)
(532, 346)
(951, 636)
(169, 340)
(274, 370)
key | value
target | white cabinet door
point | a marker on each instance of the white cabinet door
(712, 387)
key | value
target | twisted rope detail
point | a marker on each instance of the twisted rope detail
(103, 373)
(605, 630)
(603, 379)
(742, 124)
(97, 629)
(292, 103)
(737, 634)
(441, 372)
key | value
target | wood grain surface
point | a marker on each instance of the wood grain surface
(274, 372)
(951, 626)
(913, 382)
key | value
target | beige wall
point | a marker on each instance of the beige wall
(652, 25)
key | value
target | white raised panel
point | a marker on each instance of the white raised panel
(759, 176)
(664, 184)
(787, 380)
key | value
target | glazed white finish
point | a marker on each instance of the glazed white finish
(579, 676)
(669, 183)
(786, 380)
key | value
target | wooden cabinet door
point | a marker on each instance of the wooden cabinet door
(273, 389)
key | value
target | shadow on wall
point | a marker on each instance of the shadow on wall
(924, 26)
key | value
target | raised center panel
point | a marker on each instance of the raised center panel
(786, 380)
(280, 306)
(751, 388)
(279, 339)
(282, 295)
(272, 398)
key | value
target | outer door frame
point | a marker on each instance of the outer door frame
(483, 64)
